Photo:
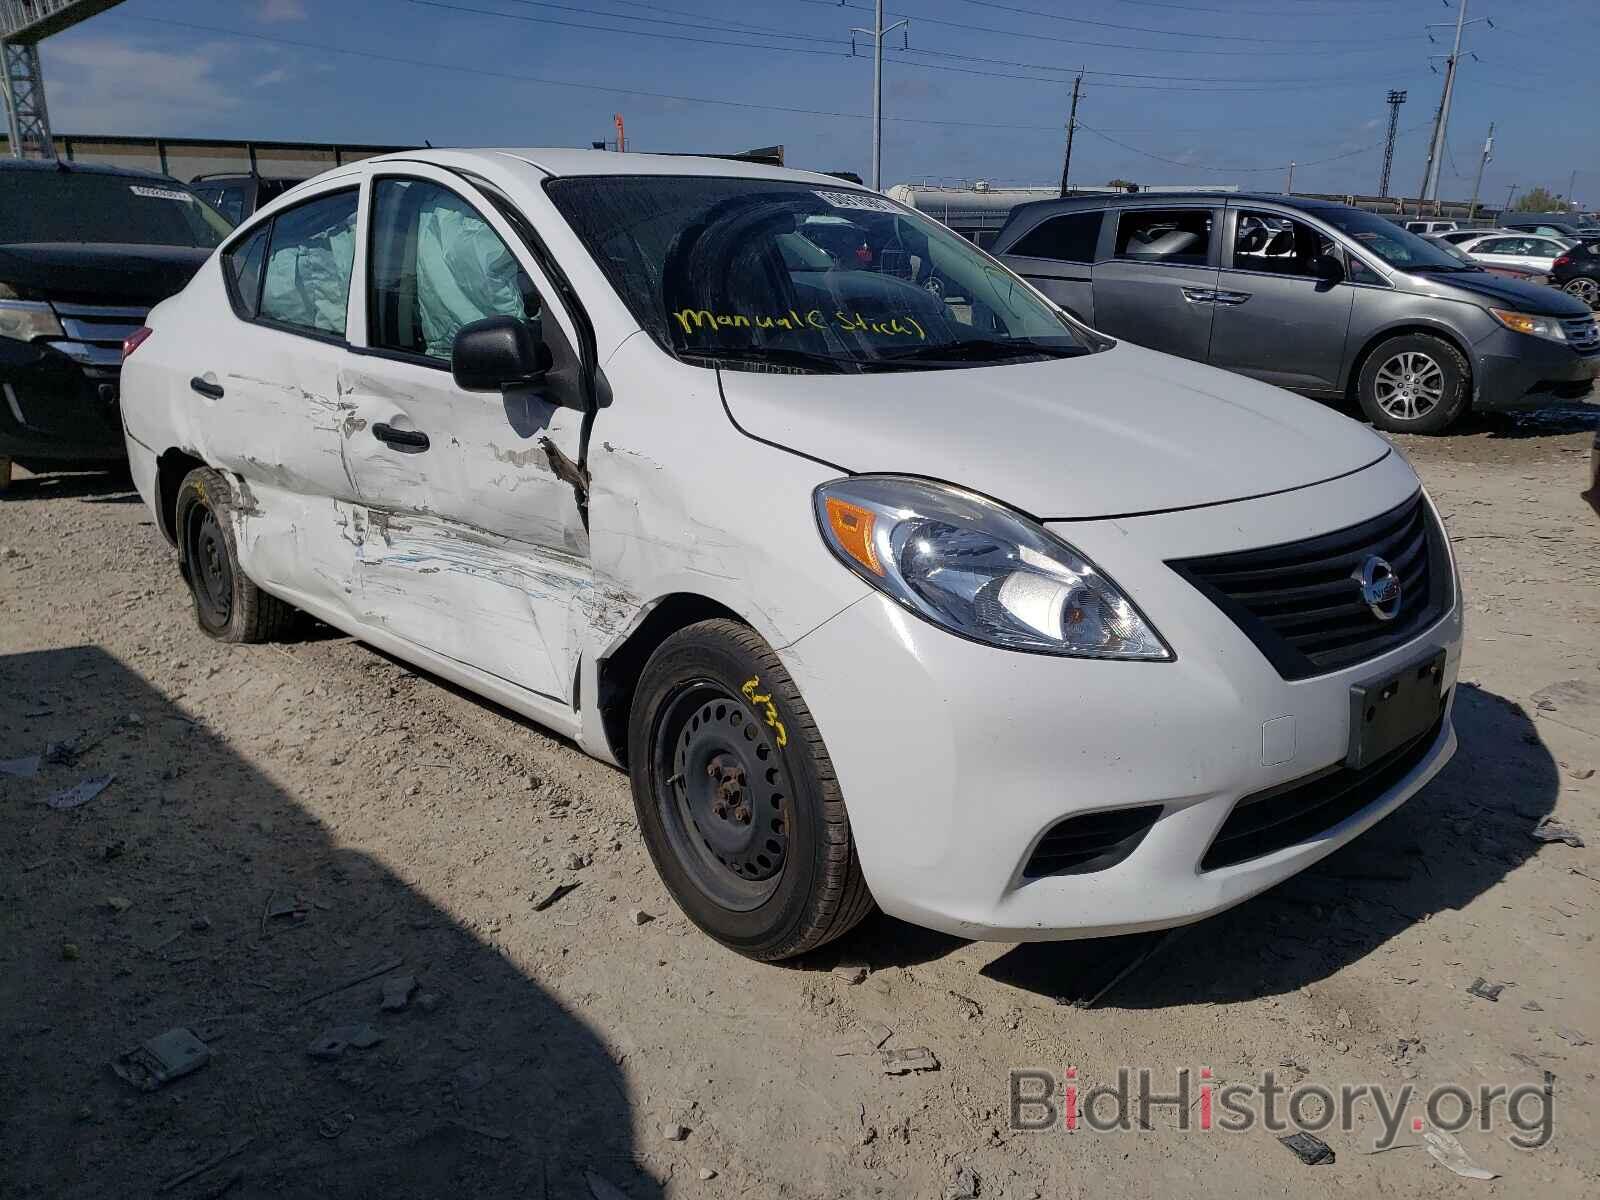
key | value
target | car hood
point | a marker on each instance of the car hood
(99, 272)
(1508, 293)
(1120, 432)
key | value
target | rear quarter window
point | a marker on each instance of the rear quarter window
(1070, 237)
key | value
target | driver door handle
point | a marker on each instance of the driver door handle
(212, 391)
(1200, 295)
(1231, 297)
(408, 439)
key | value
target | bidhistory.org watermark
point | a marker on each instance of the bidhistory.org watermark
(1191, 1099)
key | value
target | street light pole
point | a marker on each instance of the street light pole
(876, 34)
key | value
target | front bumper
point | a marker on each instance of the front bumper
(56, 408)
(1514, 370)
(956, 758)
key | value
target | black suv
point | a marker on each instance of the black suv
(84, 253)
(237, 196)
(1318, 297)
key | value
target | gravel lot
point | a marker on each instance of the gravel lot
(286, 819)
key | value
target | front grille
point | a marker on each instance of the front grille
(1301, 603)
(94, 335)
(1299, 810)
(1583, 334)
(1091, 842)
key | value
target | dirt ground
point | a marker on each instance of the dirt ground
(286, 819)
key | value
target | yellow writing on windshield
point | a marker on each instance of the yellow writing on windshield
(699, 320)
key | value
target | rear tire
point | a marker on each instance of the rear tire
(1584, 288)
(737, 798)
(1414, 383)
(227, 605)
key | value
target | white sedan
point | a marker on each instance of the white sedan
(1532, 251)
(1017, 630)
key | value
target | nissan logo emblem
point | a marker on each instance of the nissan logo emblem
(1380, 588)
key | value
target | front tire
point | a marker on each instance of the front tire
(737, 798)
(1414, 383)
(227, 605)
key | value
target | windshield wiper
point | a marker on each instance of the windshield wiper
(774, 356)
(982, 350)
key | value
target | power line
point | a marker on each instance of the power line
(700, 40)
(612, 89)
(1032, 35)
(1142, 87)
(1212, 37)
(1071, 71)
(726, 26)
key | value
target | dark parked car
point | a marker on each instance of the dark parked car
(236, 196)
(84, 252)
(1577, 272)
(1319, 297)
(1560, 225)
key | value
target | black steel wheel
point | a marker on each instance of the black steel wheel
(727, 808)
(737, 800)
(227, 605)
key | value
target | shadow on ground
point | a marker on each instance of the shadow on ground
(1549, 421)
(244, 916)
(97, 487)
(1449, 844)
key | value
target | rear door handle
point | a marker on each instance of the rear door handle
(1200, 295)
(212, 391)
(1231, 297)
(409, 439)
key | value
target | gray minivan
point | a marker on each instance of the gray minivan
(1322, 298)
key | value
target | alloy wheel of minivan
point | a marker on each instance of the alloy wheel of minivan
(736, 796)
(227, 605)
(1409, 385)
(1585, 289)
(1414, 383)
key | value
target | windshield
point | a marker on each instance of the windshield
(1460, 255)
(80, 206)
(793, 277)
(1388, 241)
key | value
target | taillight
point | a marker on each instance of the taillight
(1564, 261)
(134, 340)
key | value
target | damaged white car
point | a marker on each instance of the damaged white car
(885, 580)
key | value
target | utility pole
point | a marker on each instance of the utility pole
(1072, 126)
(876, 34)
(1512, 191)
(1572, 186)
(1441, 126)
(1288, 187)
(1396, 99)
(1488, 153)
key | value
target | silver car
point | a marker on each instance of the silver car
(1321, 298)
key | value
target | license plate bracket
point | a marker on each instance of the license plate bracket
(1387, 713)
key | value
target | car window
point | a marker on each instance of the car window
(1361, 273)
(436, 265)
(312, 249)
(228, 199)
(1070, 237)
(242, 265)
(75, 205)
(1495, 246)
(1279, 245)
(711, 268)
(1539, 248)
(1179, 235)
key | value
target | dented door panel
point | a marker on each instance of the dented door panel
(472, 547)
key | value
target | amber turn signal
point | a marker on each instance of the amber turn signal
(852, 528)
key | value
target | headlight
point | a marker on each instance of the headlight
(28, 319)
(980, 570)
(1530, 323)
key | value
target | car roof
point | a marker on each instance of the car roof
(562, 162)
(63, 166)
(1119, 199)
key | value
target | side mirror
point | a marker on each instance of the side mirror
(497, 352)
(1327, 268)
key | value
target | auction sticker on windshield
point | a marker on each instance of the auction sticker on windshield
(857, 200)
(160, 193)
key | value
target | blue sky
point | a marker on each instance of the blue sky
(1180, 91)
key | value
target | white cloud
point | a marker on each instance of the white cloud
(276, 11)
(268, 78)
(96, 85)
